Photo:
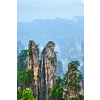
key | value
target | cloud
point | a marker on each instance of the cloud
(71, 49)
(57, 48)
(78, 46)
(65, 64)
(41, 48)
(82, 1)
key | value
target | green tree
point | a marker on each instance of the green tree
(74, 82)
(26, 78)
(21, 60)
(56, 52)
(27, 95)
(30, 78)
(22, 78)
(59, 80)
(57, 91)
(18, 95)
(65, 78)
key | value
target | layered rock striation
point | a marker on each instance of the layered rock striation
(44, 69)
(33, 63)
(48, 69)
(74, 86)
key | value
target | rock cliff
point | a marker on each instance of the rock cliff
(44, 69)
(33, 63)
(48, 69)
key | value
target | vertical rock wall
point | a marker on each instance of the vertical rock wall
(74, 81)
(44, 69)
(33, 63)
(72, 72)
(48, 69)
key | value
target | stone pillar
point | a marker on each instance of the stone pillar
(72, 72)
(33, 63)
(48, 69)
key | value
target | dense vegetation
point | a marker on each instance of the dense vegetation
(25, 79)
(57, 93)
(21, 60)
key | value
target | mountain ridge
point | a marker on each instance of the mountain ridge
(67, 35)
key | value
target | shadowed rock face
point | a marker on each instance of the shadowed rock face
(70, 90)
(59, 69)
(48, 69)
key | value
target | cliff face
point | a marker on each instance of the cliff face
(59, 69)
(48, 69)
(44, 69)
(72, 72)
(45, 72)
(74, 82)
(33, 63)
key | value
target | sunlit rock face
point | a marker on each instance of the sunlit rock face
(33, 63)
(48, 69)
(44, 69)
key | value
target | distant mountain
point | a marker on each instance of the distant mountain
(20, 47)
(82, 70)
(78, 19)
(66, 34)
(82, 53)
(59, 69)
(17, 51)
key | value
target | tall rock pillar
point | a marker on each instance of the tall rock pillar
(48, 70)
(72, 73)
(33, 63)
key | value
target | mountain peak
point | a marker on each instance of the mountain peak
(77, 18)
